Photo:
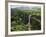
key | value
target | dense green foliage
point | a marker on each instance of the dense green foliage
(19, 19)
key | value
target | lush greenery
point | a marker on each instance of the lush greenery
(19, 19)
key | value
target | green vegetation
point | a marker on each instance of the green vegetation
(19, 19)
